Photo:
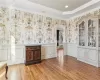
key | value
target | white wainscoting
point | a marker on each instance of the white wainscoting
(3, 53)
(71, 49)
(88, 55)
(48, 51)
(65, 48)
(15, 54)
(99, 57)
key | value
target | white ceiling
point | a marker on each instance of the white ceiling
(32, 7)
(60, 4)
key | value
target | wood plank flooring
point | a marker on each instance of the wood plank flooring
(61, 68)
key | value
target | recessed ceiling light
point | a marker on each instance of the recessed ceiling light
(66, 6)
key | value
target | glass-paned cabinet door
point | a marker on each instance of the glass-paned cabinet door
(82, 34)
(91, 33)
(99, 33)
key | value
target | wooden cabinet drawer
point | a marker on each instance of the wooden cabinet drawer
(33, 48)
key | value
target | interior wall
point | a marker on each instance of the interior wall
(19, 28)
(27, 28)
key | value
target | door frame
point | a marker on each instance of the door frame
(60, 27)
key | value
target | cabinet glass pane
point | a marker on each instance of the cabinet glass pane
(99, 32)
(91, 33)
(82, 34)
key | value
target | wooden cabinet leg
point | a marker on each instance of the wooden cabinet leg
(6, 72)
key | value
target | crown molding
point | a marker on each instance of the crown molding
(90, 11)
(81, 7)
(28, 6)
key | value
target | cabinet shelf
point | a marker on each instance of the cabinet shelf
(91, 34)
(81, 34)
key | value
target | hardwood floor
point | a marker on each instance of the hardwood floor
(67, 68)
(60, 53)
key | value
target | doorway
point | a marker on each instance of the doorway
(60, 48)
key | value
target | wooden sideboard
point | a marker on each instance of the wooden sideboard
(33, 54)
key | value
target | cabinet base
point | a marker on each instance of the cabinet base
(31, 63)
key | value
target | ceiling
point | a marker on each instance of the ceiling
(60, 4)
(54, 8)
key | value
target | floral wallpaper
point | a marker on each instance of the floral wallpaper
(21, 27)
(3, 25)
(72, 27)
(72, 32)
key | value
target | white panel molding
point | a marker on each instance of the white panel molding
(3, 54)
(48, 51)
(82, 51)
(19, 53)
(71, 49)
(65, 48)
(17, 58)
(99, 55)
(99, 64)
(88, 56)
(93, 56)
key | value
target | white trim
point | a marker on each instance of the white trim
(37, 8)
(84, 13)
(81, 7)
(50, 12)
(32, 12)
(39, 13)
(30, 7)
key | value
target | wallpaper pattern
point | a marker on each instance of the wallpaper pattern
(4, 20)
(72, 27)
(21, 27)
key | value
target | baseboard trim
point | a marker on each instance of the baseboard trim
(88, 62)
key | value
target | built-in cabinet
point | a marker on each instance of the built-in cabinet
(89, 40)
